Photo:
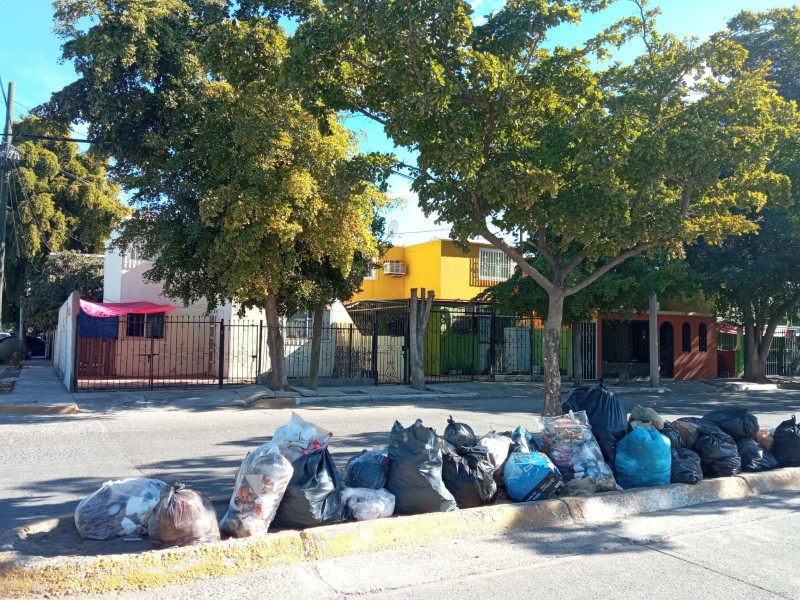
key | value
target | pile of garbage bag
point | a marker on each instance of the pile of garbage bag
(292, 481)
(570, 444)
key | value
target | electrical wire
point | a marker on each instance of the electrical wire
(33, 210)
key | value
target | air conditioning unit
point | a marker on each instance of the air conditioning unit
(395, 268)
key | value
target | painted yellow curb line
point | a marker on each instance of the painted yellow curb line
(22, 576)
(35, 409)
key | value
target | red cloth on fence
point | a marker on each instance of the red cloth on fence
(115, 309)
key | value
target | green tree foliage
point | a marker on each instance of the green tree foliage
(60, 200)
(230, 176)
(755, 279)
(594, 166)
(624, 290)
(62, 274)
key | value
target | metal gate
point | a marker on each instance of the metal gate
(589, 350)
(390, 358)
(784, 356)
(154, 351)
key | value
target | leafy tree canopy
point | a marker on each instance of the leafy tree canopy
(593, 165)
(236, 185)
(61, 200)
(62, 274)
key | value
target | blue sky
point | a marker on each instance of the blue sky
(29, 56)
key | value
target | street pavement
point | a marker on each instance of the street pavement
(48, 462)
(743, 549)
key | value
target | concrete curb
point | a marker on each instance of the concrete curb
(358, 398)
(40, 409)
(22, 576)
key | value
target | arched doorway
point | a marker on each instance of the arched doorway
(666, 350)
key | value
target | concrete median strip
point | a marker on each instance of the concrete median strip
(22, 576)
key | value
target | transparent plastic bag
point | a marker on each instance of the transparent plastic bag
(498, 447)
(646, 415)
(260, 485)
(569, 443)
(301, 434)
(183, 517)
(118, 508)
(366, 504)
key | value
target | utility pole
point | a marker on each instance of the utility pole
(7, 156)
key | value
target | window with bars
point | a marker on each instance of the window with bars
(494, 265)
(151, 325)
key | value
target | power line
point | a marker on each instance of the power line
(33, 210)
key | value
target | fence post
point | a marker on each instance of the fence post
(76, 340)
(491, 346)
(530, 338)
(350, 352)
(375, 349)
(221, 351)
(260, 342)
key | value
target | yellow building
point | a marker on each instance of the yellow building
(437, 265)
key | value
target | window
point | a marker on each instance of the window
(494, 265)
(686, 338)
(132, 258)
(153, 325)
(702, 334)
(372, 272)
(299, 325)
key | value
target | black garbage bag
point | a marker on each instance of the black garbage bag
(686, 467)
(787, 443)
(459, 435)
(735, 421)
(606, 415)
(313, 496)
(674, 436)
(367, 470)
(755, 457)
(469, 477)
(719, 456)
(415, 471)
(691, 428)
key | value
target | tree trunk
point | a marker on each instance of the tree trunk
(278, 378)
(316, 345)
(413, 309)
(755, 367)
(419, 311)
(577, 355)
(552, 339)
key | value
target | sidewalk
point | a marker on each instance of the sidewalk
(39, 391)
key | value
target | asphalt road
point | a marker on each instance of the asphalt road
(726, 550)
(49, 462)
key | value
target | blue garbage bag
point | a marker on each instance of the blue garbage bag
(530, 476)
(644, 459)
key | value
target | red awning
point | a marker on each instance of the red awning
(114, 309)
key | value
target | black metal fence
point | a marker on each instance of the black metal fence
(461, 344)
